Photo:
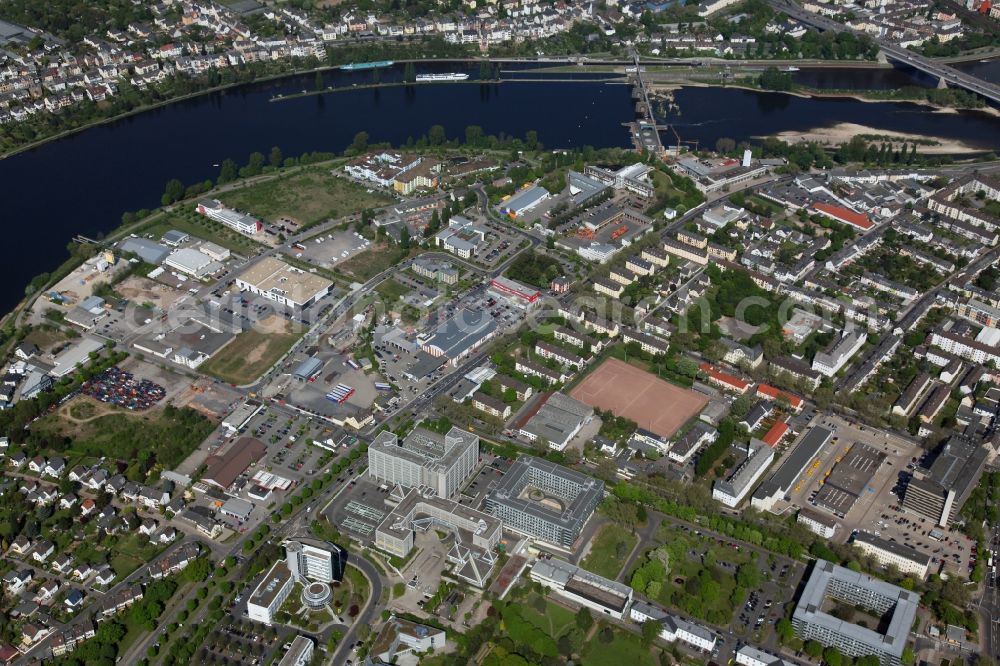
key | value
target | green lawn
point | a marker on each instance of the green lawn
(378, 257)
(626, 648)
(199, 226)
(249, 356)
(307, 197)
(130, 552)
(555, 621)
(664, 184)
(392, 291)
(609, 550)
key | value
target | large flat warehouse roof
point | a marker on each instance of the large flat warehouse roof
(807, 449)
(273, 275)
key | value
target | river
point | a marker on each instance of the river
(81, 184)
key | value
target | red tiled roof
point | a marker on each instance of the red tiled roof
(844, 214)
(768, 391)
(775, 434)
(724, 377)
(8, 654)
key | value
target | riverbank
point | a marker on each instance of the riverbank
(857, 95)
(844, 132)
(653, 67)
(866, 96)
(406, 84)
(159, 105)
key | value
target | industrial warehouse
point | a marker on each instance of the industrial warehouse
(277, 281)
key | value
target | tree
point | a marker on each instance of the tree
(584, 619)
(174, 191)
(404, 238)
(197, 570)
(473, 136)
(832, 656)
(228, 172)
(785, 630)
(813, 648)
(907, 656)
(436, 135)
(275, 158)
(725, 145)
(650, 632)
(360, 142)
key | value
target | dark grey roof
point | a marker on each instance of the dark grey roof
(807, 449)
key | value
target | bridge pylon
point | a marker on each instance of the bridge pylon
(942, 84)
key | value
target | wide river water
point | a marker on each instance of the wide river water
(81, 184)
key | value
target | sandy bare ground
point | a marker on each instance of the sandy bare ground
(143, 290)
(844, 132)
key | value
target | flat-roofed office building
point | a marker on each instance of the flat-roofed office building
(830, 584)
(544, 500)
(270, 593)
(940, 493)
(320, 564)
(424, 459)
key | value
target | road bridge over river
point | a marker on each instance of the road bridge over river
(945, 74)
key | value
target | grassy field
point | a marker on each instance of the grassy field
(164, 436)
(626, 648)
(307, 197)
(199, 226)
(664, 185)
(609, 550)
(391, 290)
(362, 267)
(249, 356)
(555, 621)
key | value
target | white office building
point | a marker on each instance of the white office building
(830, 362)
(748, 655)
(891, 553)
(424, 459)
(270, 594)
(735, 487)
(314, 563)
(674, 628)
(299, 653)
(214, 209)
(582, 587)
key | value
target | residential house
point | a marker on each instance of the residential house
(43, 551)
(20, 545)
(15, 580)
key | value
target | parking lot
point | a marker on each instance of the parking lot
(878, 509)
(359, 508)
(329, 249)
(501, 246)
(286, 433)
(489, 476)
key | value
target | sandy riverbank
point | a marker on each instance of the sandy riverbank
(844, 132)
